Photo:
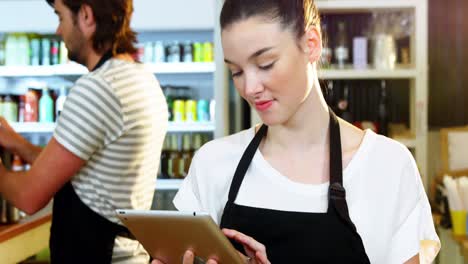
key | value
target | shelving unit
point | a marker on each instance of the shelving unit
(416, 73)
(174, 127)
(74, 69)
(168, 184)
(193, 20)
(400, 72)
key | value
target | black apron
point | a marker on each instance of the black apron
(299, 237)
(78, 234)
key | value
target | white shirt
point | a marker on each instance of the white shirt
(384, 192)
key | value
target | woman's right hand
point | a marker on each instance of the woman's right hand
(189, 258)
(255, 250)
(9, 139)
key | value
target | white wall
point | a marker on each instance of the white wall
(37, 16)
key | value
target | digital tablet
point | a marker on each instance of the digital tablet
(166, 235)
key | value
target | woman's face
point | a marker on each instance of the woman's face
(269, 66)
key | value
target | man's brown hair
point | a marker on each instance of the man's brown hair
(112, 23)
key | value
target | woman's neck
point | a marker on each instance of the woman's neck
(307, 128)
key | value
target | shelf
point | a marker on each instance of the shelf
(168, 184)
(361, 5)
(400, 72)
(53, 70)
(183, 67)
(409, 142)
(191, 127)
(33, 127)
(76, 69)
(173, 127)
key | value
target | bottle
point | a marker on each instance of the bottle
(1, 105)
(60, 102)
(330, 96)
(186, 155)
(212, 110)
(187, 52)
(383, 109)
(174, 159)
(46, 107)
(2, 52)
(326, 57)
(343, 105)
(17, 164)
(30, 106)
(159, 52)
(11, 46)
(164, 174)
(45, 44)
(35, 47)
(54, 52)
(197, 143)
(21, 109)
(10, 109)
(63, 53)
(341, 48)
(23, 50)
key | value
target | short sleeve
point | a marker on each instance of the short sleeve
(415, 232)
(90, 119)
(188, 196)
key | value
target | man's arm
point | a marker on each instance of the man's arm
(413, 260)
(17, 144)
(30, 191)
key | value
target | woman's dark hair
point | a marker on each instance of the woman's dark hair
(299, 15)
(112, 23)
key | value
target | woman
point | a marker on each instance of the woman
(284, 201)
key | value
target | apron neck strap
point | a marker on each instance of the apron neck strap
(245, 163)
(105, 57)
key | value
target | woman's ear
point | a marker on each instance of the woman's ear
(312, 44)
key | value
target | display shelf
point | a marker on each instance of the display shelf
(349, 73)
(194, 127)
(409, 142)
(360, 5)
(168, 184)
(73, 69)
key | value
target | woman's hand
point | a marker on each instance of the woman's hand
(256, 251)
(189, 258)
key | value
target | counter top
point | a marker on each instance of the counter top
(26, 238)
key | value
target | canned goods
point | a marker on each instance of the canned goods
(54, 51)
(207, 52)
(212, 110)
(173, 54)
(63, 53)
(187, 52)
(149, 52)
(35, 52)
(45, 51)
(197, 52)
(191, 110)
(159, 54)
(140, 54)
(179, 111)
(203, 112)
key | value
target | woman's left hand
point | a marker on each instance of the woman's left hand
(256, 251)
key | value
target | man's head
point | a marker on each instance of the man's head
(100, 24)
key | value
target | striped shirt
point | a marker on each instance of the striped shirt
(115, 119)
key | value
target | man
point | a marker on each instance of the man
(105, 150)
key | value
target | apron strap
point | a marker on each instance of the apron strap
(336, 192)
(245, 163)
